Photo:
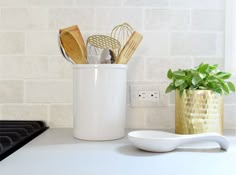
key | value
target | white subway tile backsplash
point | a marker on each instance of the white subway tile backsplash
(209, 60)
(135, 118)
(51, 3)
(25, 112)
(48, 91)
(38, 18)
(220, 47)
(61, 116)
(156, 68)
(172, 98)
(59, 68)
(13, 63)
(207, 20)
(160, 118)
(230, 99)
(98, 3)
(12, 43)
(179, 20)
(14, 3)
(153, 118)
(14, 19)
(108, 18)
(154, 44)
(166, 19)
(11, 91)
(23, 67)
(42, 43)
(193, 43)
(35, 67)
(146, 3)
(136, 69)
(198, 4)
(36, 81)
(64, 17)
(229, 116)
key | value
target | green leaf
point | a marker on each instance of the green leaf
(179, 74)
(211, 85)
(213, 67)
(170, 88)
(196, 80)
(201, 75)
(218, 90)
(203, 67)
(179, 82)
(225, 88)
(169, 74)
(183, 86)
(202, 88)
(181, 92)
(211, 78)
(223, 75)
(231, 86)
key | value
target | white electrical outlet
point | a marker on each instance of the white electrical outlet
(145, 95)
(148, 95)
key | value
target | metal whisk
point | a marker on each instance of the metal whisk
(122, 33)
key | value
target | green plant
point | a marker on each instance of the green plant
(203, 77)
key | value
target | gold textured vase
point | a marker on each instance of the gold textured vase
(199, 111)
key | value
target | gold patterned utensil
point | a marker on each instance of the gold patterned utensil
(103, 42)
(129, 48)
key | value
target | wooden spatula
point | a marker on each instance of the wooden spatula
(129, 48)
(73, 44)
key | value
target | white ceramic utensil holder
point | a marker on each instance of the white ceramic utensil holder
(99, 101)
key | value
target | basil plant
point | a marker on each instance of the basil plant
(202, 77)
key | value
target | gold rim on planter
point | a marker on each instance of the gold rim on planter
(199, 111)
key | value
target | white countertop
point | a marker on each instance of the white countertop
(56, 152)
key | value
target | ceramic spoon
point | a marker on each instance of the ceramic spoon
(158, 141)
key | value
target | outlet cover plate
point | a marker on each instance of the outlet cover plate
(141, 95)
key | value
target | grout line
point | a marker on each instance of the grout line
(169, 44)
(187, 30)
(36, 104)
(95, 19)
(1, 114)
(144, 67)
(230, 105)
(190, 20)
(48, 114)
(38, 79)
(192, 61)
(24, 92)
(25, 43)
(143, 19)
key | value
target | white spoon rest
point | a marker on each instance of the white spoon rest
(158, 141)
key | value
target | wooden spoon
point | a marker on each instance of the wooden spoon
(73, 44)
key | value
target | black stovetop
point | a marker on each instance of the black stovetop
(15, 134)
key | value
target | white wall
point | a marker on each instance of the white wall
(36, 82)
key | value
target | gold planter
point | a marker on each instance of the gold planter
(198, 111)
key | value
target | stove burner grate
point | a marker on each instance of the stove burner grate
(15, 134)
